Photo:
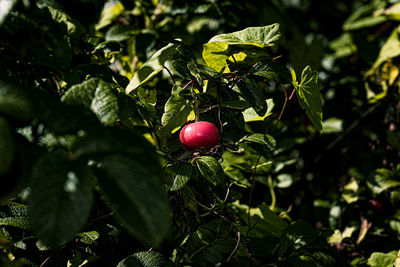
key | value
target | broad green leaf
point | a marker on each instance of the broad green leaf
(236, 104)
(134, 194)
(380, 259)
(214, 56)
(272, 71)
(389, 50)
(145, 259)
(302, 243)
(105, 103)
(274, 223)
(381, 180)
(309, 97)
(7, 147)
(176, 111)
(242, 43)
(18, 222)
(89, 237)
(98, 95)
(110, 12)
(61, 198)
(151, 259)
(5, 8)
(251, 115)
(151, 67)
(180, 173)
(210, 168)
(267, 141)
(257, 36)
(254, 95)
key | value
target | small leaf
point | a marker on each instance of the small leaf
(89, 237)
(19, 222)
(211, 169)
(309, 97)
(267, 141)
(251, 115)
(136, 197)
(380, 259)
(181, 173)
(151, 67)
(254, 95)
(272, 71)
(60, 200)
(388, 51)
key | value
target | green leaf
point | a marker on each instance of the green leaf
(271, 71)
(219, 48)
(136, 197)
(309, 97)
(145, 259)
(98, 95)
(364, 16)
(110, 12)
(7, 146)
(389, 50)
(380, 259)
(254, 95)
(275, 224)
(89, 237)
(267, 141)
(61, 198)
(151, 67)
(210, 168)
(176, 111)
(251, 115)
(381, 180)
(214, 56)
(19, 222)
(181, 173)
(257, 36)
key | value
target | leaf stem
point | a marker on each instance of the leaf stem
(253, 184)
(170, 74)
(272, 192)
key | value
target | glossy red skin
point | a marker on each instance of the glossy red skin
(199, 134)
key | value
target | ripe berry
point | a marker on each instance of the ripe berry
(201, 134)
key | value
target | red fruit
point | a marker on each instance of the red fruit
(199, 134)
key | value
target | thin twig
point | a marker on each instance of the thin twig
(283, 109)
(170, 74)
(236, 247)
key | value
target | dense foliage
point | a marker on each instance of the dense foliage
(306, 98)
